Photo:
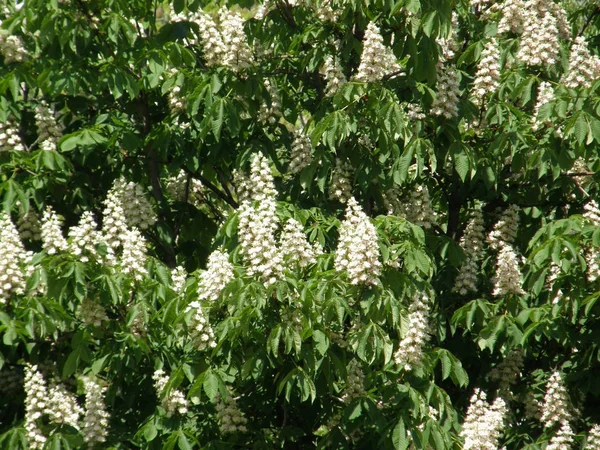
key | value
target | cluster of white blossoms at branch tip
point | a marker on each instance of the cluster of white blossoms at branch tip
(134, 255)
(376, 60)
(230, 417)
(563, 439)
(49, 132)
(593, 439)
(95, 422)
(183, 188)
(36, 399)
(258, 223)
(62, 405)
(355, 382)
(471, 243)
(505, 230)
(340, 187)
(592, 261)
(447, 90)
(507, 279)
(14, 260)
(507, 372)
(218, 273)
(358, 251)
(201, 333)
(541, 23)
(301, 152)
(12, 48)
(114, 223)
(174, 401)
(545, 95)
(487, 78)
(584, 68)
(296, 250)
(334, 76)
(418, 209)
(483, 422)
(84, 238)
(10, 138)
(591, 212)
(224, 45)
(410, 349)
(178, 277)
(52, 239)
(556, 408)
(270, 114)
(136, 206)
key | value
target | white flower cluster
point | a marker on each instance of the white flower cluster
(483, 422)
(327, 11)
(376, 60)
(201, 332)
(447, 92)
(114, 224)
(95, 421)
(12, 48)
(219, 272)
(592, 212)
(301, 153)
(341, 187)
(410, 350)
(270, 114)
(540, 40)
(471, 243)
(507, 279)
(14, 260)
(29, 226)
(505, 230)
(237, 55)
(10, 138)
(174, 401)
(226, 45)
(448, 45)
(241, 184)
(296, 250)
(563, 439)
(545, 95)
(182, 188)
(35, 406)
(584, 68)
(556, 408)
(357, 251)
(178, 277)
(134, 255)
(84, 238)
(229, 416)
(334, 76)
(593, 439)
(49, 132)
(52, 238)
(136, 206)
(91, 313)
(176, 101)
(258, 224)
(487, 78)
(414, 111)
(392, 203)
(507, 372)
(541, 23)
(418, 209)
(62, 405)
(355, 382)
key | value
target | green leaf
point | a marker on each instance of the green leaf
(399, 438)
(211, 384)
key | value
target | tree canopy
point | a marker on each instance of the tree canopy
(300, 224)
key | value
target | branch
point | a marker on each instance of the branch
(223, 196)
(594, 13)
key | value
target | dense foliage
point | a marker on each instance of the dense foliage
(300, 224)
